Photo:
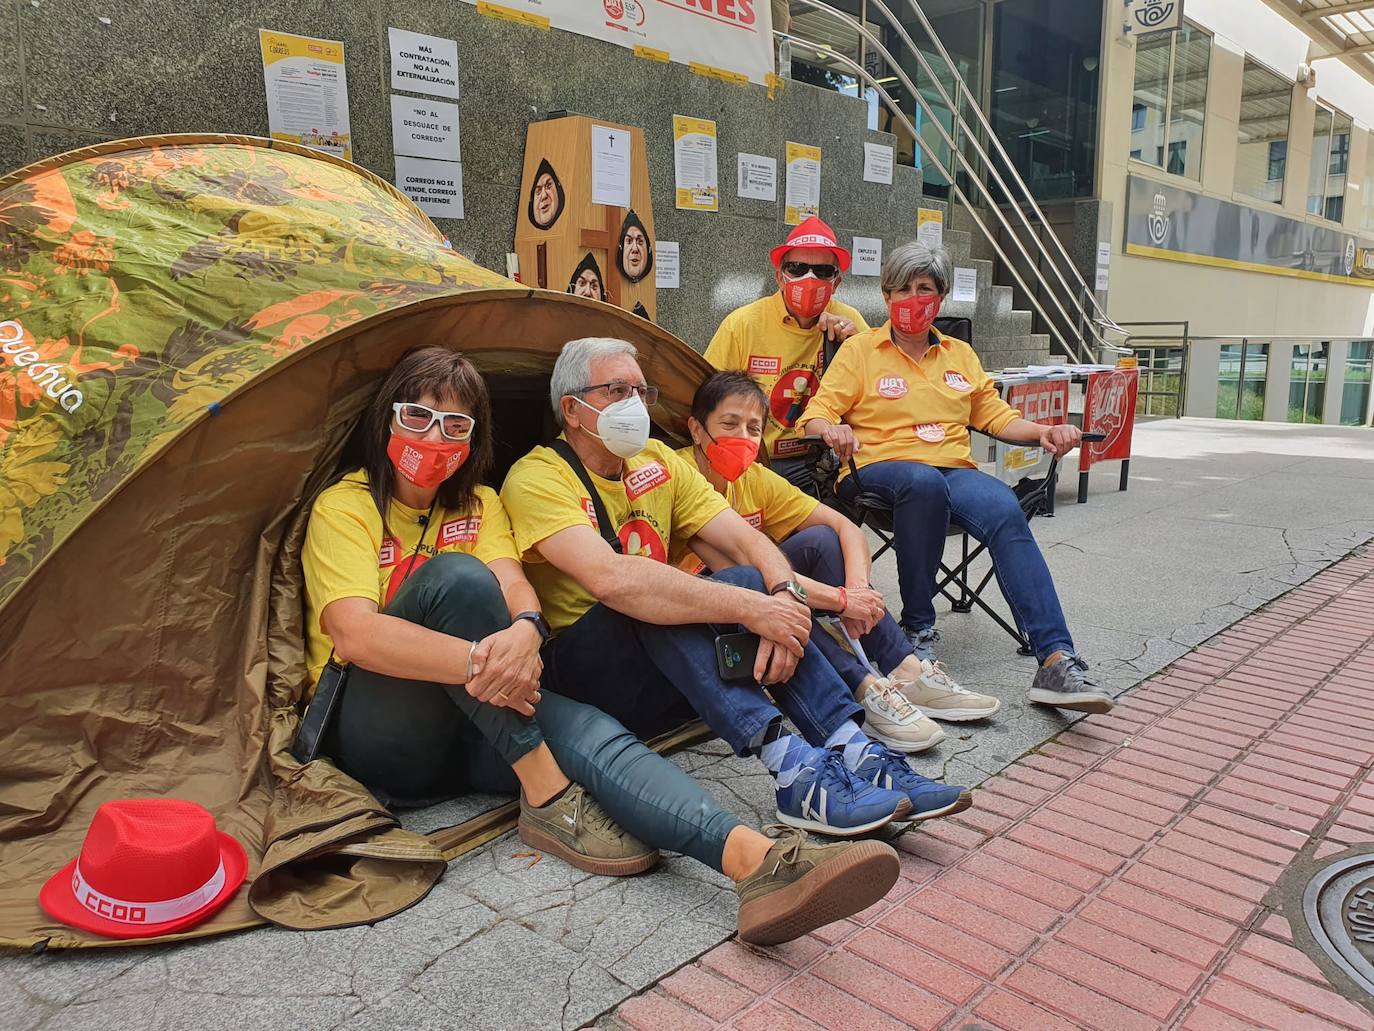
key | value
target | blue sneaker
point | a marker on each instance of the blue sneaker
(828, 799)
(884, 768)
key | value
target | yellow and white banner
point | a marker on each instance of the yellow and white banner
(307, 92)
(694, 164)
(727, 39)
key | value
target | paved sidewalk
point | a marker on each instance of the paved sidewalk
(1121, 877)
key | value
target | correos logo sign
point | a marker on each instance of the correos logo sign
(56, 380)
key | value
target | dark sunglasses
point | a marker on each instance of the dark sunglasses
(797, 269)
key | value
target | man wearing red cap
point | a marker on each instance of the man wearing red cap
(779, 339)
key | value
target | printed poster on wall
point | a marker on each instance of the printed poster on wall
(694, 164)
(758, 177)
(424, 128)
(307, 92)
(867, 254)
(803, 197)
(930, 227)
(423, 64)
(436, 187)
(877, 163)
(729, 39)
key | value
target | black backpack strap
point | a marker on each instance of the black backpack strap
(603, 522)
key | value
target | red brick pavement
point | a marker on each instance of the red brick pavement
(1116, 878)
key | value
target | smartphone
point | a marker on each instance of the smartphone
(735, 656)
(315, 725)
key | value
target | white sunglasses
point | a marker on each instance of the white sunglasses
(418, 418)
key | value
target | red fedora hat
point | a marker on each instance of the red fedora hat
(147, 867)
(812, 233)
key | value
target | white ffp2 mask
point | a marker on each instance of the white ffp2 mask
(623, 426)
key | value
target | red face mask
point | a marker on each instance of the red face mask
(807, 297)
(427, 463)
(914, 315)
(731, 457)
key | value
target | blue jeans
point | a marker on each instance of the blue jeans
(651, 678)
(815, 553)
(924, 499)
(414, 741)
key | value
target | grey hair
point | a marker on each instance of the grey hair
(572, 371)
(910, 260)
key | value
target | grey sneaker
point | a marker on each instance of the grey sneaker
(922, 642)
(1067, 684)
(578, 831)
(800, 885)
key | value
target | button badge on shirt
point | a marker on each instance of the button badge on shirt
(892, 387)
(931, 432)
(957, 381)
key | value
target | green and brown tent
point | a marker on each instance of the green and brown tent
(189, 327)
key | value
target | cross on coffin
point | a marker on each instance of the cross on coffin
(605, 238)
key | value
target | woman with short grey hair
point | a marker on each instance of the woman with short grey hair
(899, 400)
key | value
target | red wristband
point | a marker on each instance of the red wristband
(844, 598)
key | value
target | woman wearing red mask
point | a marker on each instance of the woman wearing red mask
(900, 400)
(830, 557)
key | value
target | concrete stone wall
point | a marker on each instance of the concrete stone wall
(75, 72)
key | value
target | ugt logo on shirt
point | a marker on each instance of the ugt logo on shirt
(957, 381)
(892, 387)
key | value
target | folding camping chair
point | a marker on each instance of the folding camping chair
(955, 583)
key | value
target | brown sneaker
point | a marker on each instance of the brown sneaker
(578, 831)
(800, 885)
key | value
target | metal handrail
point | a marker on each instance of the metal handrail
(1070, 345)
(992, 136)
(1074, 348)
(1094, 323)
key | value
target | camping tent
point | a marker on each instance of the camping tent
(189, 326)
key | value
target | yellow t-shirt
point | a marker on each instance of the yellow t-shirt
(768, 503)
(660, 503)
(765, 341)
(348, 555)
(900, 409)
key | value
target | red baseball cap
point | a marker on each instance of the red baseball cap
(148, 867)
(812, 233)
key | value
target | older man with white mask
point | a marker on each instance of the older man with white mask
(595, 517)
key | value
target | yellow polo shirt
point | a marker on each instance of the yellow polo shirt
(764, 340)
(659, 504)
(901, 409)
(348, 553)
(768, 503)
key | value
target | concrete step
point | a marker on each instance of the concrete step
(958, 244)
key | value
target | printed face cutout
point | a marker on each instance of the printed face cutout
(634, 253)
(586, 280)
(546, 197)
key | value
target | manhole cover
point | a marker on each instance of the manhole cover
(1339, 906)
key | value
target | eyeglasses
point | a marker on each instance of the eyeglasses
(619, 390)
(417, 418)
(797, 269)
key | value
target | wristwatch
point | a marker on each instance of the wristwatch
(539, 622)
(791, 587)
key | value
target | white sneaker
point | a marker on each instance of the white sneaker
(937, 696)
(895, 722)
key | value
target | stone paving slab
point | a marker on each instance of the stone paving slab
(1130, 874)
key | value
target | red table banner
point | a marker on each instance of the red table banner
(1045, 401)
(1109, 407)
